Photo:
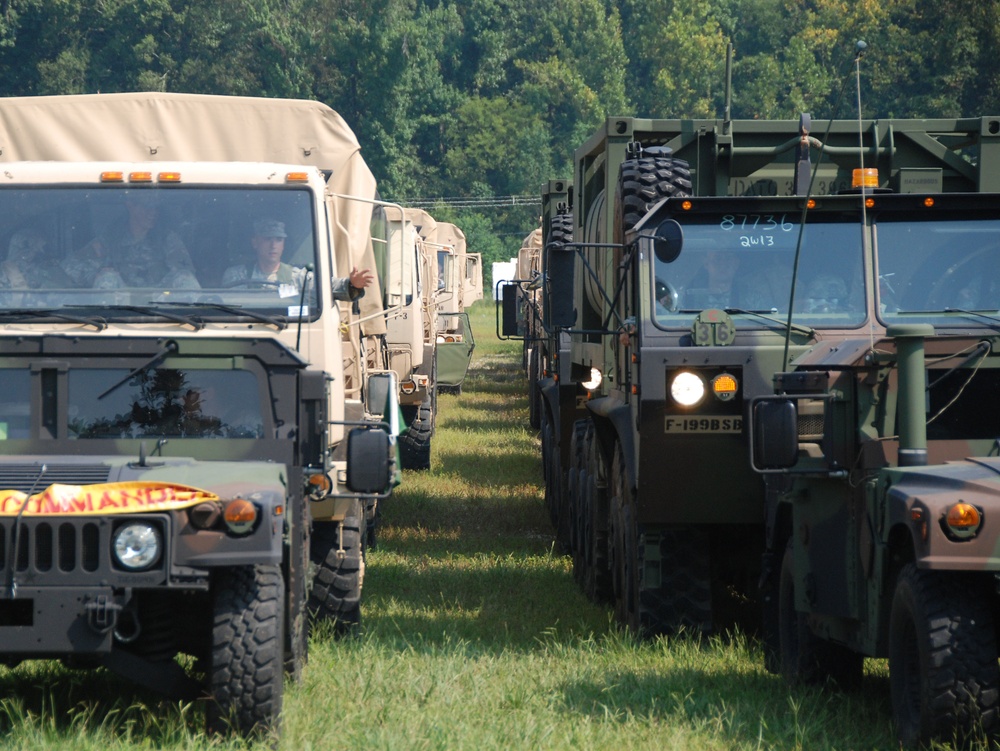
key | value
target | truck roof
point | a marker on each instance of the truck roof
(153, 126)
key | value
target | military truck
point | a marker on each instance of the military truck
(645, 445)
(522, 300)
(409, 341)
(460, 277)
(183, 450)
(879, 457)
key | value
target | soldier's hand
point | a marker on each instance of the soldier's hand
(361, 279)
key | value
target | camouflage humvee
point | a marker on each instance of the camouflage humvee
(184, 463)
(880, 460)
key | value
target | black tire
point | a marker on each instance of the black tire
(597, 583)
(943, 669)
(415, 443)
(246, 674)
(534, 393)
(684, 598)
(561, 228)
(642, 183)
(806, 659)
(549, 469)
(296, 572)
(624, 576)
(336, 589)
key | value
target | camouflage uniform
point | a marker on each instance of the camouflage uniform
(26, 267)
(285, 274)
(117, 259)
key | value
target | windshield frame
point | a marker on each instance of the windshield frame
(769, 228)
(215, 224)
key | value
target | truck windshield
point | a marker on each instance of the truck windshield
(133, 251)
(939, 270)
(744, 263)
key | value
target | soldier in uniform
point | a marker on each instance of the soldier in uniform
(135, 254)
(27, 268)
(268, 243)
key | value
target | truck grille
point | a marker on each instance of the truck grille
(44, 546)
(24, 477)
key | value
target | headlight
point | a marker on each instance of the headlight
(593, 381)
(962, 521)
(137, 545)
(687, 389)
(240, 516)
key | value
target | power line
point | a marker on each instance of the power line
(470, 202)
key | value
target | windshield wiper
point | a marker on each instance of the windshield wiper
(807, 330)
(169, 349)
(278, 323)
(20, 313)
(196, 323)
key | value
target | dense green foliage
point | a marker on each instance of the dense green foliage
(483, 98)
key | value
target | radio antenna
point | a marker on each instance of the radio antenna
(860, 48)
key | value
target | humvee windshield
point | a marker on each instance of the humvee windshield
(936, 270)
(744, 262)
(106, 403)
(126, 253)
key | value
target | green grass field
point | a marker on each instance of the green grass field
(476, 637)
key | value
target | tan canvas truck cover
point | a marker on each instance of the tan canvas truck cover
(529, 256)
(146, 126)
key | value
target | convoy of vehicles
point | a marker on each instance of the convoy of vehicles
(182, 439)
(725, 290)
(762, 361)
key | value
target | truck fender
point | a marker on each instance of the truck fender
(613, 423)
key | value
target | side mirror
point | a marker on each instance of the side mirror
(668, 239)
(775, 434)
(510, 297)
(379, 387)
(559, 274)
(368, 467)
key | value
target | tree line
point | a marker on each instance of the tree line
(483, 98)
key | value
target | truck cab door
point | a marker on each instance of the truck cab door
(454, 351)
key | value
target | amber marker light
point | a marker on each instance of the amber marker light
(811, 203)
(687, 205)
(963, 521)
(240, 516)
(864, 178)
(140, 177)
(297, 177)
(724, 387)
(320, 482)
(928, 202)
(169, 177)
(112, 177)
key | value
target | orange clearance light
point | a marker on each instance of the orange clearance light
(169, 177)
(869, 203)
(687, 205)
(928, 202)
(140, 177)
(724, 386)
(240, 516)
(320, 481)
(963, 520)
(112, 177)
(297, 177)
(864, 178)
(811, 203)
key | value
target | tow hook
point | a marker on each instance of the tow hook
(102, 614)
